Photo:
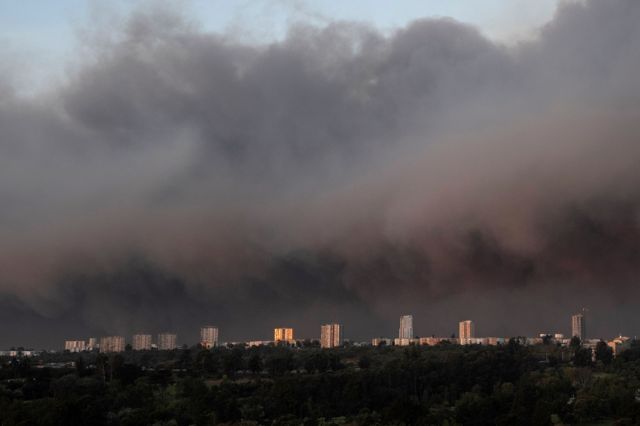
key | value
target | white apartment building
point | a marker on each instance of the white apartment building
(209, 336)
(406, 327)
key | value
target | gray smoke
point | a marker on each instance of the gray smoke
(178, 177)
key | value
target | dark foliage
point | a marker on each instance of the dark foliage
(445, 384)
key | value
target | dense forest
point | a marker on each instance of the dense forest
(438, 385)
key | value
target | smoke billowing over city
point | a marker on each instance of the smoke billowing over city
(177, 177)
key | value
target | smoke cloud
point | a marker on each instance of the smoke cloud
(177, 177)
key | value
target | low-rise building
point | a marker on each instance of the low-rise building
(495, 341)
(619, 344)
(432, 341)
(406, 342)
(381, 341)
(27, 353)
(253, 343)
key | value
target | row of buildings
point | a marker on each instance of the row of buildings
(467, 332)
(467, 336)
(330, 337)
(140, 342)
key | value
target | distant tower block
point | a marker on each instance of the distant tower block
(112, 344)
(578, 326)
(467, 331)
(141, 342)
(282, 334)
(209, 336)
(406, 327)
(330, 335)
(167, 341)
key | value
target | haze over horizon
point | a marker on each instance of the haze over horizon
(177, 176)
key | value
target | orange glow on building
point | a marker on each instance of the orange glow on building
(282, 334)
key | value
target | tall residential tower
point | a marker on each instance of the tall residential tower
(209, 336)
(578, 326)
(330, 335)
(467, 331)
(141, 342)
(112, 344)
(167, 341)
(282, 334)
(406, 327)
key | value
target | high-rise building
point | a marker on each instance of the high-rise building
(167, 341)
(282, 334)
(467, 331)
(141, 342)
(330, 335)
(75, 345)
(209, 336)
(406, 327)
(578, 326)
(112, 344)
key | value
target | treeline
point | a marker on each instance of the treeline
(445, 384)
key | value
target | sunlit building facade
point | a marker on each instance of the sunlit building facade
(467, 332)
(330, 335)
(432, 341)
(283, 334)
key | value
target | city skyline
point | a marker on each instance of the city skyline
(332, 335)
(209, 335)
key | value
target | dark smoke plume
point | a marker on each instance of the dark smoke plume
(177, 178)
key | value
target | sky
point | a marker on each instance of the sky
(181, 171)
(44, 36)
